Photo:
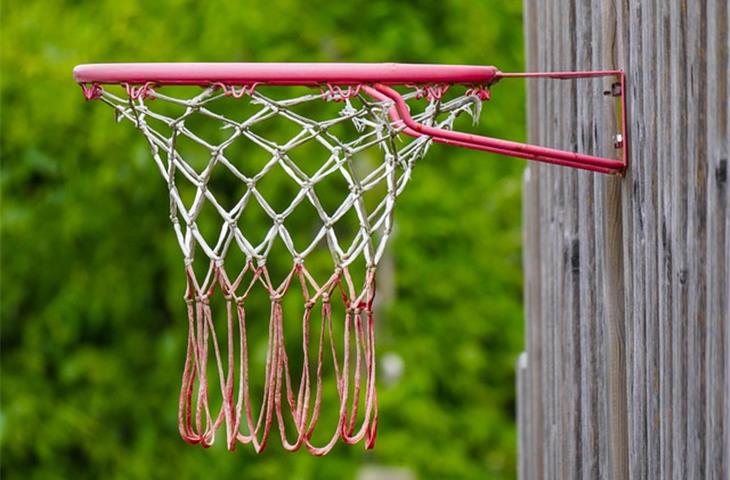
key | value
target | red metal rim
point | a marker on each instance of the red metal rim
(282, 73)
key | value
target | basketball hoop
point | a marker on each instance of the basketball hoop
(391, 111)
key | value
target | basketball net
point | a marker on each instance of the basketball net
(291, 401)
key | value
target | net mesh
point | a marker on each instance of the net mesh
(340, 162)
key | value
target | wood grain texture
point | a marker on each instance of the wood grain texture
(627, 280)
(522, 404)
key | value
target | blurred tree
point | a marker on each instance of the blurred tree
(93, 329)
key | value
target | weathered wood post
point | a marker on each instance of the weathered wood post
(627, 280)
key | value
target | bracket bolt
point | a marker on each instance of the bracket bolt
(618, 141)
(615, 90)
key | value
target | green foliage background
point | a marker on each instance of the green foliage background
(93, 322)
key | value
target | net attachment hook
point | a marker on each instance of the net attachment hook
(91, 90)
(431, 92)
(140, 92)
(339, 94)
(230, 90)
(480, 91)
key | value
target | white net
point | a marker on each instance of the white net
(339, 163)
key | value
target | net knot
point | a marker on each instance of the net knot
(227, 291)
(337, 151)
(313, 128)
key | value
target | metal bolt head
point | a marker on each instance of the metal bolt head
(618, 141)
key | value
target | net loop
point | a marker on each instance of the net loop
(480, 91)
(140, 92)
(230, 90)
(338, 94)
(432, 92)
(91, 91)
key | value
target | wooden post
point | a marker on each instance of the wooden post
(627, 280)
